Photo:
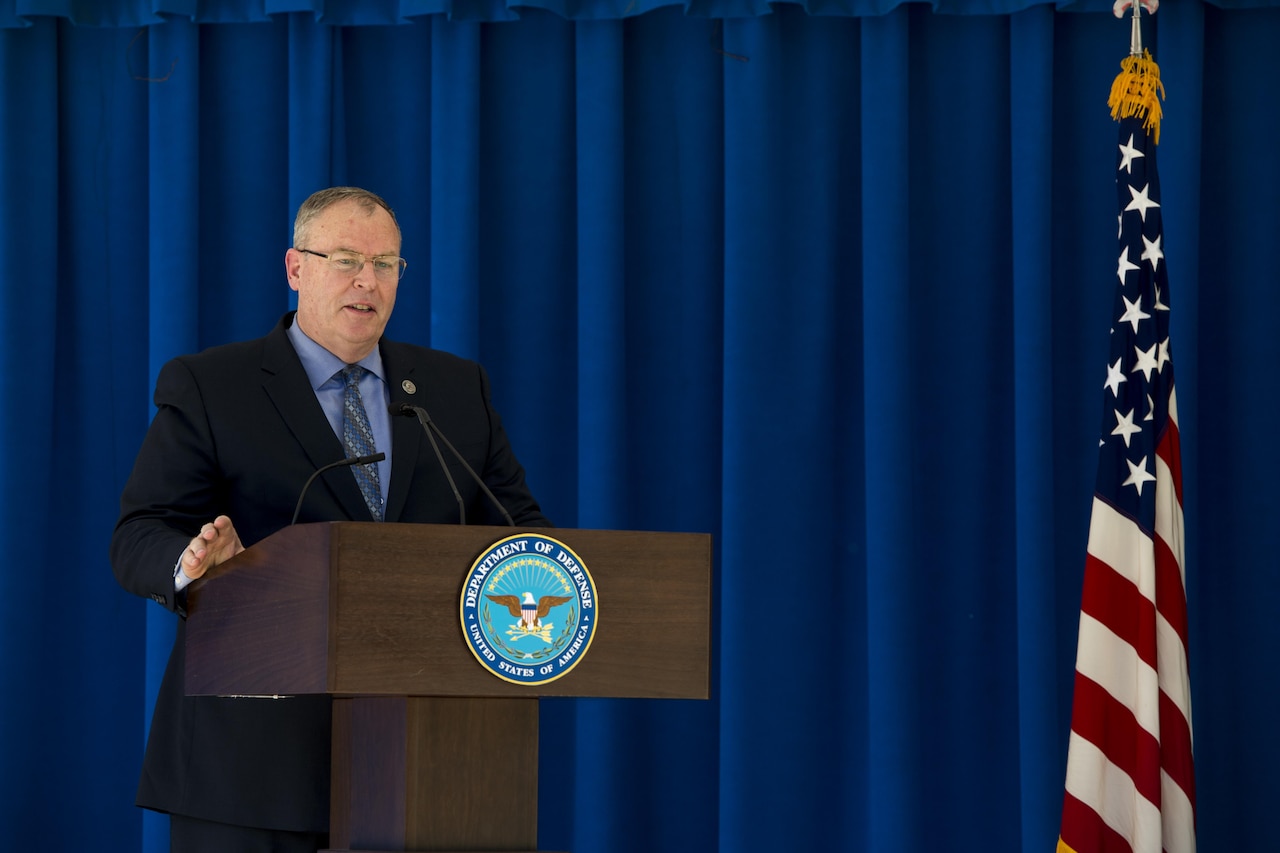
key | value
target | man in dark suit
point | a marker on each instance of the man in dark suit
(238, 430)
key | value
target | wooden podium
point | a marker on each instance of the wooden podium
(431, 752)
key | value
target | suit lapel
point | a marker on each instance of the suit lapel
(286, 383)
(406, 432)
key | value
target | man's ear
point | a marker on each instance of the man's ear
(293, 267)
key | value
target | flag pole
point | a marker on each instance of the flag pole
(1135, 31)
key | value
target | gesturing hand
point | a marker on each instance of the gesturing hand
(216, 543)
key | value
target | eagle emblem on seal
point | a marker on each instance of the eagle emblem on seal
(529, 612)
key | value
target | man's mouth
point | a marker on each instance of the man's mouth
(362, 308)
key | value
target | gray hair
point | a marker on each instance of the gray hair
(322, 200)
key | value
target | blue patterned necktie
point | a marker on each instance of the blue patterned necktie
(357, 435)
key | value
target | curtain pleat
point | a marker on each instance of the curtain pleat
(1032, 148)
(829, 281)
(28, 121)
(454, 242)
(790, 304)
(99, 374)
(603, 433)
(313, 58)
(895, 706)
(1237, 348)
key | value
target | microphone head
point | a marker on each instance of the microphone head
(400, 408)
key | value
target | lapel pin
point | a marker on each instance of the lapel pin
(409, 387)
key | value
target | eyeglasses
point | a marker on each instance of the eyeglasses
(385, 267)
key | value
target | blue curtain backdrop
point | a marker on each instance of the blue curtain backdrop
(828, 280)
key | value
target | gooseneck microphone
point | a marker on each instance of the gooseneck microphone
(429, 426)
(341, 463)
(425, 420)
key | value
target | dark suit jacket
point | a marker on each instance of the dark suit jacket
(238, 431)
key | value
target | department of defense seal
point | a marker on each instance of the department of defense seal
(529, 609)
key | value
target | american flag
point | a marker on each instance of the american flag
(1130, 782)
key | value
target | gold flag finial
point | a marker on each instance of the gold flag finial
(1137, 90)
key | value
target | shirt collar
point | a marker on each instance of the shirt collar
(320, 364)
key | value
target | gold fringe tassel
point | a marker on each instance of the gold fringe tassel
(1137, 91)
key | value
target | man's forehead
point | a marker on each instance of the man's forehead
(351, 210)
(350, 220)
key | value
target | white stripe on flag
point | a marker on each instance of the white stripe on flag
(1178, 817)
(1171, 659)
(1108, 790)
(1114, 664)
(1117, 541)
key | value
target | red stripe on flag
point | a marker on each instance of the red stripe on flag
(1175, 748)
(1084, 830)
(1169, 448)
(1111, 727)
(1114, 601)
(1171, 597)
